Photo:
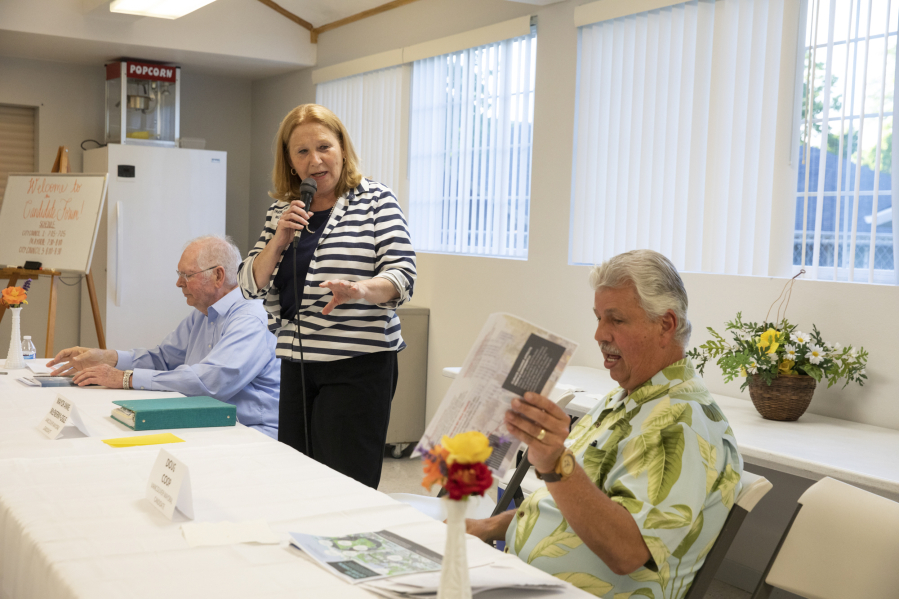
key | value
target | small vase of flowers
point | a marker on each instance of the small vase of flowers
(780, 364)
(459, 465)
(14, 298)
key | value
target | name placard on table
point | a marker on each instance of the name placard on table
(62, 411)
(169, 486)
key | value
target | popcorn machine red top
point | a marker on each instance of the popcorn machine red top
(143, 103)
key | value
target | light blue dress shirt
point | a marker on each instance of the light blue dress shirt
(228, 355)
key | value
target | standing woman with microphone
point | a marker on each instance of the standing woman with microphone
(336, 259)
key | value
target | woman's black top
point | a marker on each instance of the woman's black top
(304, 251)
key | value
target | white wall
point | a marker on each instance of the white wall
(218, 110)
(462, 291)
(70, 101)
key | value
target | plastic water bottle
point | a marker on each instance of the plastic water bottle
(28, 350)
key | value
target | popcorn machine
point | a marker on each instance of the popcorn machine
(143, 103)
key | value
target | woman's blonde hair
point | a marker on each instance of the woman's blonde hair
(287, 185)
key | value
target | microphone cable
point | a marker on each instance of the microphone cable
(307, 189)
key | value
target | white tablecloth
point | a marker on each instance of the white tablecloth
(74, 521)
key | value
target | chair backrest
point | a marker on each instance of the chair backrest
(753, 488)
(843, 542)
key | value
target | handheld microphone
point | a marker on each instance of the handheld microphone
(307, 189)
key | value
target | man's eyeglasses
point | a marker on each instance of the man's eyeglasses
(185, 276)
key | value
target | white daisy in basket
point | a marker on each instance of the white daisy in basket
(815, 354)
(800, 337)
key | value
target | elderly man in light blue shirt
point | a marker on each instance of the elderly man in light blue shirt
(223, 349)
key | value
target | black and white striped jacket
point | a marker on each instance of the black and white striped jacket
(366, 236)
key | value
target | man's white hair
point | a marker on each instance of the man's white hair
(658, 285)
(217, 250)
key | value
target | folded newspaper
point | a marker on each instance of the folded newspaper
(367, 556)
(509, 358)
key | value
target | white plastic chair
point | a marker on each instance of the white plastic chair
(842, 542)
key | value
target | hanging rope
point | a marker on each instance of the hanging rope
(788, 288)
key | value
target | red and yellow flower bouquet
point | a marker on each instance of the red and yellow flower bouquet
(459, 465)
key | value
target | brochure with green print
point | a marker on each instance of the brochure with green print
(367, 556)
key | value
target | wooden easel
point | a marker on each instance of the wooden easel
(60, 165)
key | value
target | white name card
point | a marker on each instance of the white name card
(62, 412)
(169, 486)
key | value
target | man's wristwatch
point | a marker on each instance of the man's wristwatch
(126, 379)
(561, 471)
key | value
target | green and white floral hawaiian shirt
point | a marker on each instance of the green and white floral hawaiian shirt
(666, 454)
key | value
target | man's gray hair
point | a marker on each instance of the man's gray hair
(658, 285)
(218, 250)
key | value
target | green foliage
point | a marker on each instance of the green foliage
(770, 350)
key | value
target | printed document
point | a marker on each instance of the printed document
(368, 555)
(510, 357)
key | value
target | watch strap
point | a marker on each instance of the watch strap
(550, 477)
(555, 475)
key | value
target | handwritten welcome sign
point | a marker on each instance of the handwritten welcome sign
(52, 219)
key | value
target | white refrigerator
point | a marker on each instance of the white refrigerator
(158, 199)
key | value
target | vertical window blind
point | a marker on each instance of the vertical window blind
(17, 152)
(674, 135)
(370, 107)
(844, 206)
(472, 116)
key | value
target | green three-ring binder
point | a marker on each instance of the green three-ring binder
(174, 412)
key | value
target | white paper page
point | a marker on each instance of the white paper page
(494, 576)
(510, 356)
(199, 534)
(38, 366)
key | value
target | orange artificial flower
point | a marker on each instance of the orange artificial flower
(435, 465)
(14, 296)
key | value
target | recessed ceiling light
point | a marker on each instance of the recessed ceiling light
(163, 9)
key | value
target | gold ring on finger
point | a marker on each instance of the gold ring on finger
(542, 434)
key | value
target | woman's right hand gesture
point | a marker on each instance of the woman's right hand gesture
(293, 219)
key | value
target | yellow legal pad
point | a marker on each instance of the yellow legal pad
(143, 440)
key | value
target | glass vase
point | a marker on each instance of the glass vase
(454, 581)
(14, 357)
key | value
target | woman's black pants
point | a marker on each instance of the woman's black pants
(348, 410)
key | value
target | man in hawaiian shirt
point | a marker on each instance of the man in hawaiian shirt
(640, 490)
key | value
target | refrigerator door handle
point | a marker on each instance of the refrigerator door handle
(120, 247)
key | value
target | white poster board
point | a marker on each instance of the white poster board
(52, 219)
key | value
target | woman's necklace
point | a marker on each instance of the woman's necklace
(311, 230)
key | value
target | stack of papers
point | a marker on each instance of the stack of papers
(392, 566)
(486, 578)
(42, 380)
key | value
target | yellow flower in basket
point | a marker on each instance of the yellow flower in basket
(770, 339)
(467, 448)
(786, 368)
